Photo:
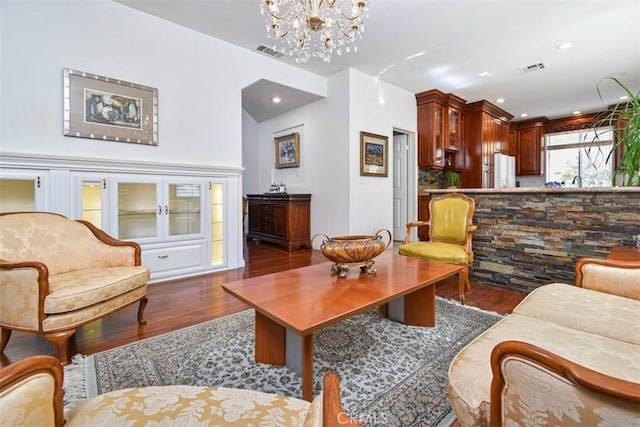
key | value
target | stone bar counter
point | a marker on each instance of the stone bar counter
(529, 237)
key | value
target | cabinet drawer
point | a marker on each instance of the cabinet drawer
(172, 258)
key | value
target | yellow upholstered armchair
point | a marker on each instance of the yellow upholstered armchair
(450, 234)
(57, 274)
(31, 395)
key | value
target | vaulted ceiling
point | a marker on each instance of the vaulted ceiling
(473, 48)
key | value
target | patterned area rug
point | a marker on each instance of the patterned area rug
(391, 374)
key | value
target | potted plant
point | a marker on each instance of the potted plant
(624, 118)
(453, 179)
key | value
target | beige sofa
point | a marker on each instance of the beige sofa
(31, 395)
(568, 355)
(57, 274)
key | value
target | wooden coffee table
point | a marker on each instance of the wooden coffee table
(291, 305)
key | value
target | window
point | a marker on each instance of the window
(579, 158)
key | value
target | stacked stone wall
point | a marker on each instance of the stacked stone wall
(525, 240)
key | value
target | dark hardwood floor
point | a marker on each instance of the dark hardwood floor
(180, 303)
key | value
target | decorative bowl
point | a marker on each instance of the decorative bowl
(353, 251)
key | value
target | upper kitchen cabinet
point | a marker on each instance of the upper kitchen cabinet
(440, 128)
(486, 132)
(529, 140)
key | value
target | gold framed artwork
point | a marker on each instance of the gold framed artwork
(287, 150)
(373, 154)
(98, 107)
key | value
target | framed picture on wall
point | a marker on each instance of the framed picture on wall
(373, 155)
(287, 150)
(99, 107)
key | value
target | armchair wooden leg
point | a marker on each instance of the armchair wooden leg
(60, 340)
(141, 307)
(6, 334)
(462, 283)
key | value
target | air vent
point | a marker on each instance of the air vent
(532, 67)
(268, 51)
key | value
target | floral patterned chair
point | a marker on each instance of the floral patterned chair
(567, 355)
(57, 274)
(31, 395)
(531, 382)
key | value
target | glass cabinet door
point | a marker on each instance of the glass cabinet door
(438, 136)
(138, 210)
(454, 129)
(183, 213)
(90, 201)
(20, 192)
(217, 223)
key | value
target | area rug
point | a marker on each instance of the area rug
(391, 374)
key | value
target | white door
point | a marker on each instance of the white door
(400, 185)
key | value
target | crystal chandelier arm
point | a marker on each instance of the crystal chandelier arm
(361, 5)
(269, 5)
(289, 24)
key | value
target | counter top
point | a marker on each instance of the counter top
(430, 190)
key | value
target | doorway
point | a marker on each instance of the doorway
(404, 185)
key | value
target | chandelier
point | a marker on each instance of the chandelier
(314, 28)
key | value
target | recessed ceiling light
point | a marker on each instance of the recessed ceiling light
(565, 46)
(415, 55)
(524, 115)
(500, 100)
(485, 74)
(575, 113)
(275, 100)
(624, 97)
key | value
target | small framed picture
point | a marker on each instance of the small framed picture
(99, 107)
(373, 155)
(287, 151)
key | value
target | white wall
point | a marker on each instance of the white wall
(201, 121)
(324, 163)
(342, 201)
(199, 80)
(376, 107)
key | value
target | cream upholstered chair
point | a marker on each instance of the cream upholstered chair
(530, 382)
(450, 234)
(31, 395)
(57, 274)
(615, 277)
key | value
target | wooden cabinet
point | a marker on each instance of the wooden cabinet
(486, 132)
(529, 140)
(440, 130)
(280, 218)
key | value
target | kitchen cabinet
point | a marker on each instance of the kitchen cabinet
(280, 218)
(529, 138)
(440, 130)
(486, 132)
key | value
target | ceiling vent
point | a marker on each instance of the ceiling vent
(268, 51)
(532, 67)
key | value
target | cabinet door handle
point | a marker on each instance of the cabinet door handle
(166, 210)
(159, 210)
(163, 256)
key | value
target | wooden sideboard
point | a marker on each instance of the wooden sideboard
(280, 218)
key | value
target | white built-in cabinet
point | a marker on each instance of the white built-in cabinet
(186, 224)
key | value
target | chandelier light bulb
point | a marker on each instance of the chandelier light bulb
(313, 28)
